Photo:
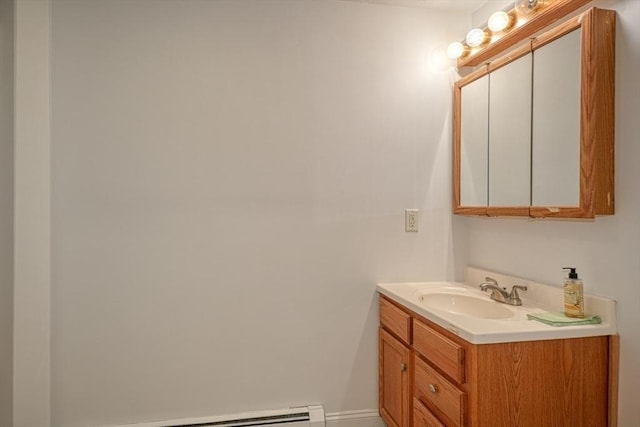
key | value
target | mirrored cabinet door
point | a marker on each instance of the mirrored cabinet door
(474, 112)
(510, 134)
(556, 123)
(573, 120)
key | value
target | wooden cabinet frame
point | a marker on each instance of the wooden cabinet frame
(597, 89)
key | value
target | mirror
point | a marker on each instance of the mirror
(555, 143)
(474, 143)
(510, 134)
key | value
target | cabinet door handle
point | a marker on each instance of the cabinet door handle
(403, 367)
(433, 388)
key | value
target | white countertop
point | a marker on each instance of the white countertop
(516, 328)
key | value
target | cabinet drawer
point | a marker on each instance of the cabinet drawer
(422, 417)
(440, 350)
(437, 392)
(395, 320)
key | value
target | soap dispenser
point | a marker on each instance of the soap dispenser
(573, 294)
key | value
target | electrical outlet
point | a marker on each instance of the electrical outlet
(411, 220)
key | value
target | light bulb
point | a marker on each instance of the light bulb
(455, 50)
(475, 37)
(499, 21)
(525, 7)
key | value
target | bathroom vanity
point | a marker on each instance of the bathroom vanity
(446, 367)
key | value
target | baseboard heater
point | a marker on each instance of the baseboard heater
(304, 416)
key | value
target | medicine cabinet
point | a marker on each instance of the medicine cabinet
(533, 130)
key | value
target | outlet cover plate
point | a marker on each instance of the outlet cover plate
(411, 220)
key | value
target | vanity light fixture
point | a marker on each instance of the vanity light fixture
(456, 50)
(525, 7)
(476, 37)
(500, 21)
(506, 28)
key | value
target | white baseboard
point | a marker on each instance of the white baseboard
(362, 418)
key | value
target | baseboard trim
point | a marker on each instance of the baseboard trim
(359, 418)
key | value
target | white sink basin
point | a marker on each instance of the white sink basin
(466, 305)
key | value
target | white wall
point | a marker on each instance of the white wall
(6, 212)
(32, 316)
(229, 184)
(607, 251)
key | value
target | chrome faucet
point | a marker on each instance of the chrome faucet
(500, 294)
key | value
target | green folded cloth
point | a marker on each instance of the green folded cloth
(557, 318)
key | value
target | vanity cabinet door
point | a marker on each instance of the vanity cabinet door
(393, 377)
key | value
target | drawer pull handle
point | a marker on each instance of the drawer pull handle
(403, 367)
(433, 388)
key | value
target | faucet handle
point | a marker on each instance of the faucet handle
(491, 280)
(514, 291)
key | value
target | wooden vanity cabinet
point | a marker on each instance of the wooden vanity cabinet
(453, 383)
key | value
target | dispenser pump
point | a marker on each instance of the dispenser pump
(573, 294)
(572, 272)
